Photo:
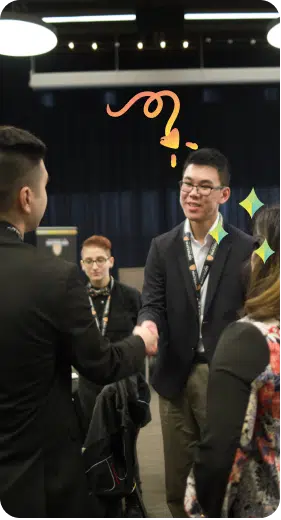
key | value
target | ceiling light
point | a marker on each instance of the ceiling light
(253, 41)
(22, 35)
(94, 46)
(208, 40)
(185, 44)
(140, 46)
(71, 45)
(91, 18)
(230, 16)
(230, 41)
(273, 36)
(163, 44)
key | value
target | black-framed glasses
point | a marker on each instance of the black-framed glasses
(100, 261)
(187, 187)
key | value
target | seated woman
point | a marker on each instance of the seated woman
(236, 469)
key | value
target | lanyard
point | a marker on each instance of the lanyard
(104, 320)
(199, 282)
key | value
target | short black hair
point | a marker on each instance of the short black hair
(20, 153)
(211, 157)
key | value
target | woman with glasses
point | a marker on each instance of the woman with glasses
(115, 308)
(237, 470)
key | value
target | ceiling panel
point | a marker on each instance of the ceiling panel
(225, 42)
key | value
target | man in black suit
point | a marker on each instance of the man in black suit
(46, 326)
(193, 288)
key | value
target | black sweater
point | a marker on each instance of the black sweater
(241, 355)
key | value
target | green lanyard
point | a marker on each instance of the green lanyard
(199, 282)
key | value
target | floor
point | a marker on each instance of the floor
(150, 453)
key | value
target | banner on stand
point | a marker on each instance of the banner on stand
(58, 241)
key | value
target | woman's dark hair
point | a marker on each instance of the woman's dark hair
(263, 297)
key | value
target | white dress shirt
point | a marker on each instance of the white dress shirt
(200, 252)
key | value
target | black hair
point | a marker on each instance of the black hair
(211, 157)
(20, 153)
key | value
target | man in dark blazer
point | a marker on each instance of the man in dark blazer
(193, 288)
(46, 326)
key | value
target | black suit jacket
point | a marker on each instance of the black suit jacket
(124, 307)
(46, 326)
(169, 299)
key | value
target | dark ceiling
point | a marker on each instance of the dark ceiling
(211, 44)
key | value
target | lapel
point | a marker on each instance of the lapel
(114, 298)
(217, 268)
(181, 254)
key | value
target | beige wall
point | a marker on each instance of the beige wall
(132, 276)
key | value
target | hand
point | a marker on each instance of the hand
(151, 326)
(150, 339)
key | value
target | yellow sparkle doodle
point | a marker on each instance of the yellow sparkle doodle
(264, 251)
(251, 203)
(218, 233)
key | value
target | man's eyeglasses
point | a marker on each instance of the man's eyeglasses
(100, 261)
(187, 187)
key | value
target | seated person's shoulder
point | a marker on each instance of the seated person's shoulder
(128, 290)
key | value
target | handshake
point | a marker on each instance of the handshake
(149, 333)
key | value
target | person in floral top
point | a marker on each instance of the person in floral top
(236, 472)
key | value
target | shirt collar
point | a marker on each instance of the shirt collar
(208, 238)
(10, 228)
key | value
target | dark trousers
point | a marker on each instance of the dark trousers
(182, 422)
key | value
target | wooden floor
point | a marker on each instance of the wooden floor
(150, 454)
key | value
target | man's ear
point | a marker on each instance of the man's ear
(111, 261)
(225, 194)
(82, 265)
(24, 200)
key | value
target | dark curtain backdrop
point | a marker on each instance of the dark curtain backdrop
(131, 219)
(111, 176)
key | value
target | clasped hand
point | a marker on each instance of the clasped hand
(149, 333)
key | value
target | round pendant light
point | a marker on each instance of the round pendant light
(274, 36)
(23, 35)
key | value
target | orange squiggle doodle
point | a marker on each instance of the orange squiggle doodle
(173, 160)
(171, 138)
